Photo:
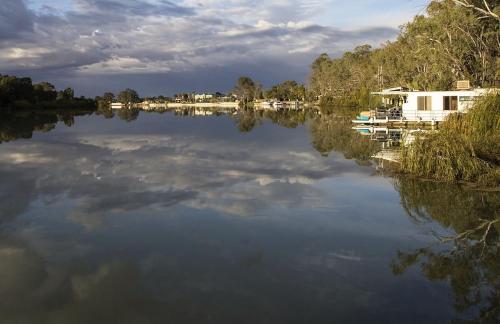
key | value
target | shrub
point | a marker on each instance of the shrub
(466, 148)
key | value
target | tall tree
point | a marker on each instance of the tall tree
(44, 91)
(128, 96)
(108, 97)
(455, 40)
(66, 94)
(245, 89)
(486, 8)
(288, 90)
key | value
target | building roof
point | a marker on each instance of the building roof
(404, 92)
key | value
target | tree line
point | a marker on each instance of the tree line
(19, 93)
(247, 90)
(453, 40)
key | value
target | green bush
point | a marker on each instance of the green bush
(466, 148)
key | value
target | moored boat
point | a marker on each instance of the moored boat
(401, 105)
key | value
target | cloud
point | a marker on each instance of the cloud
(15, 19)
(132, 7)
(138, 37)
(106, 175)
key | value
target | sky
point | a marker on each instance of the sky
(165, 47)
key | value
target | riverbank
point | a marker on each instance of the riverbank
(465, 149)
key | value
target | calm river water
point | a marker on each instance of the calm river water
(160, 218)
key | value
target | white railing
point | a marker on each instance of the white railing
(437, 116)
(411, 116)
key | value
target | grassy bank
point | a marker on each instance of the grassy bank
(466, 148)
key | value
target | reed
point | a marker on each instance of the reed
(466, 148)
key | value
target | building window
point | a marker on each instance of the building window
(466, 98)
(450, 103)
(424, 103)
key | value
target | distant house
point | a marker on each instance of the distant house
(230, 98)
(203, 96)
(116, 105)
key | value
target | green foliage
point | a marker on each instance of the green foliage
(466, 148)
(287, 91)
(128, 115)
(108, 97)
(19, 93)
(471, 262)
(44, 91)
(443, 156)
(22, 123)
(246, 120)
(66, 94)
(334, 133)
(104, 105)
(288, 118)
(128, 96)
(13, 89)
(247, 90)
(449, 43)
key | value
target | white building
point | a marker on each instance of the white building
(421, 106)
(203, 96)
(116, 105)
(150, 105)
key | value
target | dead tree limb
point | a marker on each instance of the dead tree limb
(485, 11)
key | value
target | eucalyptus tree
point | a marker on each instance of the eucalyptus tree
(287, 90)
(454, 40)
(245, 89)
(66, 94)
(487, 9)
(128, 96)
(44, 91)
(108, 97)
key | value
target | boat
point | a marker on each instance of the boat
(401, 105)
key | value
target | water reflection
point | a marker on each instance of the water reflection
(471, 259)
(334, 133)
(22, 124)
(232, 217)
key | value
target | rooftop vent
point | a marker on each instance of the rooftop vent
(463, 85)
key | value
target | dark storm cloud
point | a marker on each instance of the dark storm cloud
(14, 19)
(135, 7)
(122, 41)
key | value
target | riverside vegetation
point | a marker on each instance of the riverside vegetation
(20, 93)
(466, 147)
(449, 43)
(454, 40)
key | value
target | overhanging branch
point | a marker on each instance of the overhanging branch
(486, 11)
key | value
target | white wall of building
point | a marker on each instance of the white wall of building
(438, 113)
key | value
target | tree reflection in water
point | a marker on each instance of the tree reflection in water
(247, 119)
(22, 124)
(128, 115)
(469, 259)
(329, 132)
(334, 133)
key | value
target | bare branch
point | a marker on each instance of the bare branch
(487, 11)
